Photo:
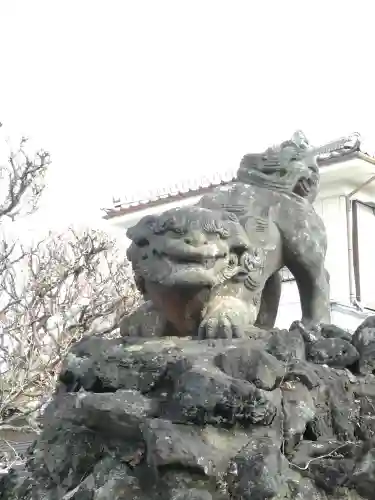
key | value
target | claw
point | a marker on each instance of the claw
(309, 331)
(225, 320)
(223, 328)
(211, 328)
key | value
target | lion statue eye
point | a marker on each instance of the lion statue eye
(142, 242)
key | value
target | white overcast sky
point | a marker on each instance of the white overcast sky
(130, 95)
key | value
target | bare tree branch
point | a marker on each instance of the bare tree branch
(51, 293)
(22, 181)
(67, 286)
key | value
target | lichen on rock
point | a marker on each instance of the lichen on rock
(175, 418)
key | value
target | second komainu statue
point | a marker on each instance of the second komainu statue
(212, 270)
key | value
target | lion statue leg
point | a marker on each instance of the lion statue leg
(237, 305)
(314, 296)
(230, 310)
(305, 260)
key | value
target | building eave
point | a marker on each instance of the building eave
(172, 198)
(366, 157)
(347, 156)
(349, 148)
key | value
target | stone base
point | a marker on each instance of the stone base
(270, 416)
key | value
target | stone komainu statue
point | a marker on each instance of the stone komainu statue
(213, 269)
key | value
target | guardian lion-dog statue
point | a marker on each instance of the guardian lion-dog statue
(213, 269)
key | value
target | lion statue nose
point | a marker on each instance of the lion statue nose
(196, 239)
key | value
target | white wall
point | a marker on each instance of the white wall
(342, 315)
(290, 308)
(366, 257)
(347, 317)
(333, 212)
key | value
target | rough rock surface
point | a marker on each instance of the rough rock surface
(180, 419)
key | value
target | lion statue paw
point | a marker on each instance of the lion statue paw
(227, 318)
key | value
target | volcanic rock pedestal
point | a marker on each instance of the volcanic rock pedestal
(269, 416)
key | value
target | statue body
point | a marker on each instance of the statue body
(213, 268)
(286, 231)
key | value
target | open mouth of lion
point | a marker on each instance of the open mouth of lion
(189, 271)
(198, 268)
(303, 187)
(205, 272)
(204, 263)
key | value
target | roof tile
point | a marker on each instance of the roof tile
(195, 187)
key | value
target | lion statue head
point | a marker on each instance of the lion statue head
(188, 246)
(290, 167)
